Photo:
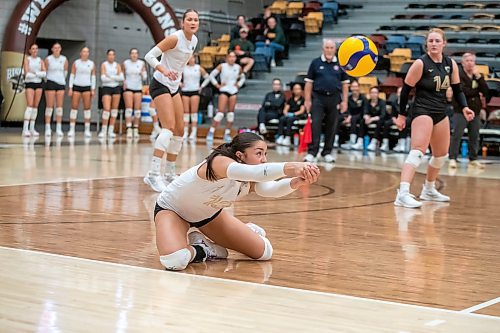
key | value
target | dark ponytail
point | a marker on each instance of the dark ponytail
(239, 143)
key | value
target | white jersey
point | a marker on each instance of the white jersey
(195, 199)
(83, 73)
(229, 76)
(191, 78)
(111, 74)
(134, 74)
(55, 69)
(175, 59)
(34, 66)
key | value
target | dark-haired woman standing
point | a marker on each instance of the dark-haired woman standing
(111, 77)
(197, 198)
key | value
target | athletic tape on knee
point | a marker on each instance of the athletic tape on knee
(438, 162)
(72, 114)
(27, 113)
(34, 113)
(268, 249)
(414, 158)
(114, 113)
(128, 113)
(87, 114)
(59, 112)
(48, 112)
(175, 145)
(105, 115)
(194, 118)
(186, 118)
(137, 113)
(176, 261)
(152, 112)
(219, 116)
(230, 117)
(163, 140)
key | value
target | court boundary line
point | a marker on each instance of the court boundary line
(312, 292)
(75, 180)
(481, 305)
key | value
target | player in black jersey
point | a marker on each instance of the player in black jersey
(431, 75)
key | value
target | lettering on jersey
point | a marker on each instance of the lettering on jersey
(442, 85)
(217, 202)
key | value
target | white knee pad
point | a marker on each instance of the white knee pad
(255, 228)
(137, 114)
(152, 112)
(219, 116)
(86, 114)
(230, 117)
(128, 113)
(105, 115)
(175, 145)
(27, 113)
(176, 261)
(114, 113)
(59, 112)
(186, 118)
(438, 162)
(48, 112)
(268, 249)
(163, 140)
(73, 113)
(414, 158)
(34, 113)
(194, 118)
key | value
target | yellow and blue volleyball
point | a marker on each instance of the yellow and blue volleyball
(358, 56)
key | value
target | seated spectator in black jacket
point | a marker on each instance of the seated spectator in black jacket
(243, 49)
(272, 106)
(240, 23)
(294, 110)
(356, 105)
(375, 112)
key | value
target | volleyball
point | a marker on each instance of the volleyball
(358, 56)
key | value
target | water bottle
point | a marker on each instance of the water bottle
(464, 150)
(210, 110)
(296, 139)
(200, 118)
(366, 142)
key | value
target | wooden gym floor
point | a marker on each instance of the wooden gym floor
(77, 249)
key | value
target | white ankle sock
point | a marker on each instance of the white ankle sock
(429, 185)
(156, 165)
(404, 187)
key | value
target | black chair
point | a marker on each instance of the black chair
(297, 34)
(493, 88)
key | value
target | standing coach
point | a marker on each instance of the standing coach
(325, 82)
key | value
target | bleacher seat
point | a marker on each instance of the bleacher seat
(313, 22)
(367, 82)
(403, 70)
(395, 41)
(493, 87)
(398, 57)
(473, 5)
(327, 15)
(297, 34)
(278, 7)
(484, 70)
(294, 8)
(334, 6)
(262, 58)
(483, 16)
(390, 85)
(379, 40)
(416, 45)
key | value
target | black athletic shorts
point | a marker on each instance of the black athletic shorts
(436, 117)
(33, 85)
(81, 89)
(110, 91)
(133, 91)
(228, 94)
(156, 89)
(190, 93)
(200, 224)
(51, 85)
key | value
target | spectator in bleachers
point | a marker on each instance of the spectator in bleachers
(243, 49)
(294, 110)
(240, 23)
(267, 14)
(356, 105)
(272, 106)
(393, 101)
(374, 114)
(327, 87)
(274, 38)
(473, 85)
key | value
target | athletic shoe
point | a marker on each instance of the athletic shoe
(385, 145)
(336, 142)
(255, 228)
(310, 158)
(192, 136)
(48, 132)
(228, 138)
(329, 158)
(130, 133)
(88, 134)
(185, 136)
(406, 199)
(262, 129)
(59, 133)
(71, 134)
(433, 195)
(111, 135)
(452, 164)
(155, 182)
(286, 141)
(358, 145)
(135, 133)
(373, 145)
(26, 134)
(279, 140)
(212, 250)
(101, 135)
(400, 146)
(210, 137)
(34, 133)
(476, 164)
(346, 146)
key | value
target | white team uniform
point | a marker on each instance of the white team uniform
(195, 199)
(191, 78)
(229, 76)
(34, 66)
(176, 59)
(83, 73)
(111, 79)
(55, 69)
(134, 74)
